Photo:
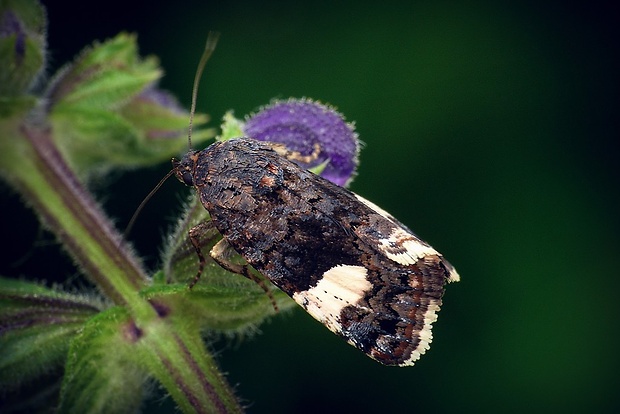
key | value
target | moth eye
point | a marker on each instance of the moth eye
(187, 178)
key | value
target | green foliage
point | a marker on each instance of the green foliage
(107, 113)
(101, 373)
(231, 127)
(103, 111)
(36, 325)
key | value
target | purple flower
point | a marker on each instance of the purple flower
(301, 125)
(11, 25)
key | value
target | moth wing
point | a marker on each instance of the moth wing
(385, 308)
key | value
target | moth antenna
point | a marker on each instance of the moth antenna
(143, 203)
(212, 39)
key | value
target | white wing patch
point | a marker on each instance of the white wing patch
(425, 335)
(401, 246)
(340, 286)
(404, 248)
(454, 276)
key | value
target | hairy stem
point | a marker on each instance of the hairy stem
(69, 211)
(170, 350)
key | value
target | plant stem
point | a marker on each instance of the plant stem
(177, 357)
(168, 346)
(65, 206)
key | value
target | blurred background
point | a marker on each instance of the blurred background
(491, 130)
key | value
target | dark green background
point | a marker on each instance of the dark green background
(490, 129)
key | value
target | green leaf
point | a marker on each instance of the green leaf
(231, 127)
(319, 168)
(97, 140)
(102, 374)
(112, 358)
(104, 76)
(106, 112)
(160, 115)
(36, 325)
(232, 306)
(14, 107)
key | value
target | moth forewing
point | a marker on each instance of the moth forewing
(350, 264)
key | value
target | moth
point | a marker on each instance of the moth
(347, 262)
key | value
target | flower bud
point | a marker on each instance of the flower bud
(303, 125)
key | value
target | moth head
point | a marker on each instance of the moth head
(183, 168)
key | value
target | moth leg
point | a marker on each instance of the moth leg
(220, 253)
(195, 236)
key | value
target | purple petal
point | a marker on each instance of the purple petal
(11, 25)
(300, 124)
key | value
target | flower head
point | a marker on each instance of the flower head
(303, 125)
(22, 45)
(11, 25)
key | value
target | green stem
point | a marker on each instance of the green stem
(170, 350)
(177, 357)
(69, 211)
